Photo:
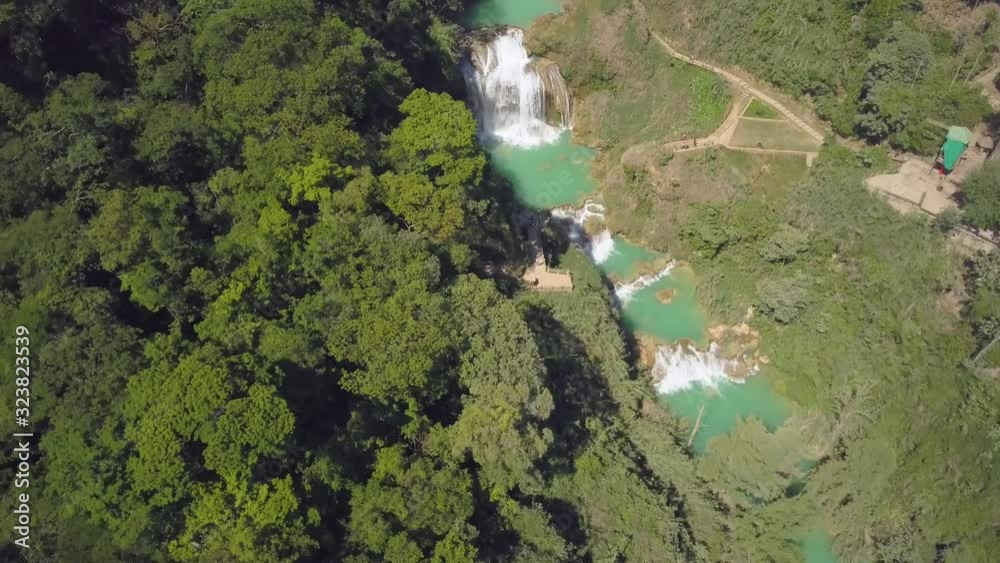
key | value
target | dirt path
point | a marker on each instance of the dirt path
(746, 89)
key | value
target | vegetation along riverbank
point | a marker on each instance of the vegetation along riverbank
(275, 258)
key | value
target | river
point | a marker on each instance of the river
(658, 299)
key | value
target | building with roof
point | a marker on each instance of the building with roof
(954, 146)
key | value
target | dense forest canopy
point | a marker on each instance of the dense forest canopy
(251, 241)
(266, 268)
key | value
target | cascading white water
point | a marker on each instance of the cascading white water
(625, 291)
(599, 247)
(518, 99)
(602, 247)
(509, 93)
(677, 367)
(681, 367)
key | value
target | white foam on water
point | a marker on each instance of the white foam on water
(681, 367)
(599, 247)
(626, 291)
(509, 93)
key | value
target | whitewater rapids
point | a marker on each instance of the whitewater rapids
(599, 247)
(511, 92)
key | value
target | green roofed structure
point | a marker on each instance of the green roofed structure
(957, 141)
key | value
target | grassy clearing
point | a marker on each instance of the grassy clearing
(761, 110)
(778, 135)
(658, 111)
(608, 6)
(769, 176)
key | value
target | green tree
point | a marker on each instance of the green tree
(168, 407)
(893, 67)
(948, 220)
(984, 307)
(174, 141)
(375, 306)
(706, 232)
(75, 133)
(142, 236)
(424, 207)
(506, 402)
(785, 245)
(438, 164)
(326, 68)
(783, 298)
(237, 521)
(21, 188)
(981, 197)
(412, 508)
(437, 139)
(752, 465)
(248, 429)
(162, 55)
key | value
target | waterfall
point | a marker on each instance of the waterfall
(516, 98)
(677, 367)
(559, 103)
(599, 247)
(680, 367)
(624, 292)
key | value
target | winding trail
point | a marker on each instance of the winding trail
(724, 134)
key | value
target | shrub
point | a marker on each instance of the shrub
(948, 220)
(784, 245)
(981, 192)
(783, 299)
(706, 231)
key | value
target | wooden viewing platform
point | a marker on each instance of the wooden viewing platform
(539, 276)
(542, 278)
